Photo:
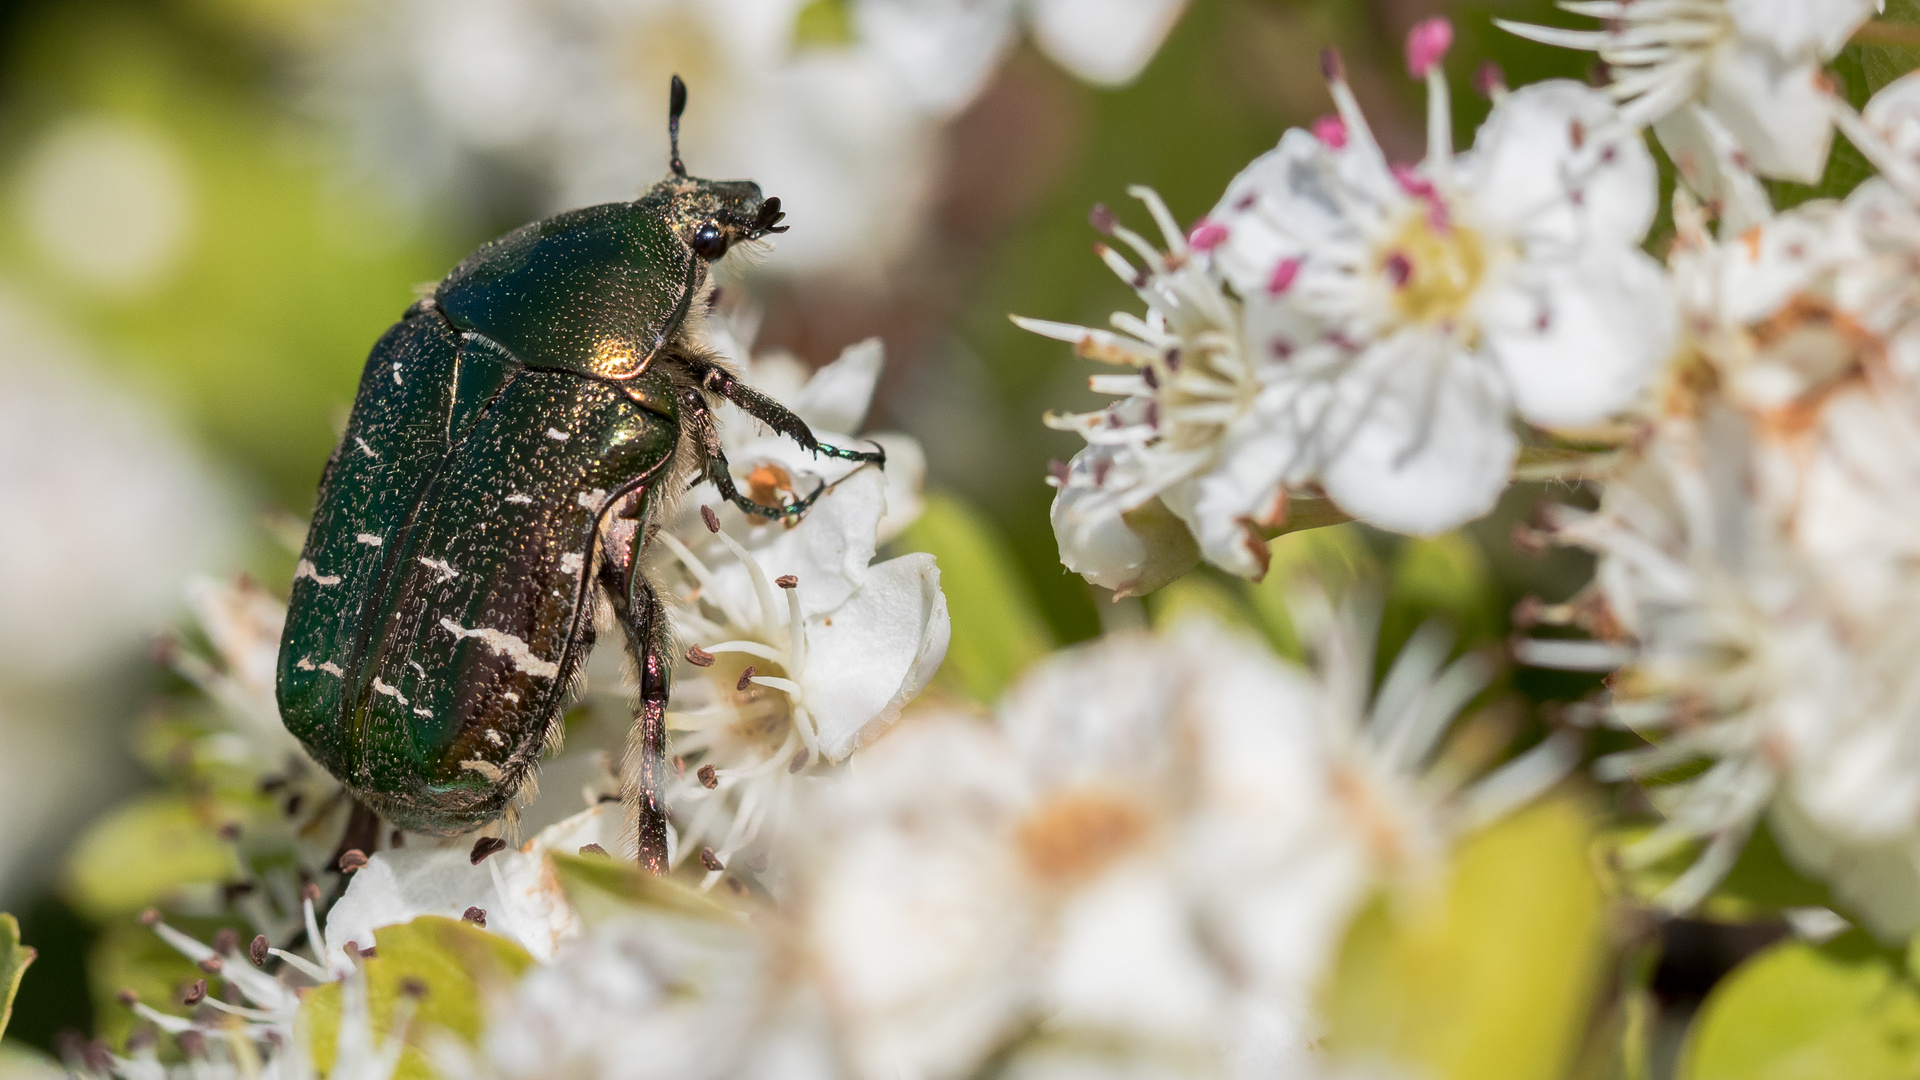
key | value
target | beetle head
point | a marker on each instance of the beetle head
(711, 216)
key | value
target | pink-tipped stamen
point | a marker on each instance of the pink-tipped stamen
(1427, 45)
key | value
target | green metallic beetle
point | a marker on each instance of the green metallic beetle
(514, 438)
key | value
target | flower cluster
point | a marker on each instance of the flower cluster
(1345, 328)
(1343, 335)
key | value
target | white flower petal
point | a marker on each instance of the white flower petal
(940, 51)
(1428, 453)
(906, 475)
(1103, 41)
(1128, 958)
(1554, 160)
(838, 395)
(1579, 341)
(867, 658)
(828, 550)
(1776, 111)
(1288, 202)
(1801, 29)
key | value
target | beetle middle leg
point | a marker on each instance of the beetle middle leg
(697, 418)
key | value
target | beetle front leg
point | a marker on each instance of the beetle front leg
(716, 379)
(698, 419)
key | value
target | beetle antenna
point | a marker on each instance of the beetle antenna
(676, 104)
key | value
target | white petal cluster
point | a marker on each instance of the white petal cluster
(797, 646)
(1758, 547)
(1340, 326)
(1148, 858)
(1733, 88)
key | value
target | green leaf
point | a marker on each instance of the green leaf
(14, 958)
(456, 962)
(1491, 977)
(600, 888)
(146, 851)
(21, 1062)
(1804, 1012)
(997, 630)
(1336, 558)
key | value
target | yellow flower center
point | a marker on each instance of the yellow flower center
(1434, 266)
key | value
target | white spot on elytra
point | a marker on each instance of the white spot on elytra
(391, 691)
(557, 435)
(512, 695)
(369, 539)
(415, 665)
(428, 713)
(328, 666)
(306, 569)
(485, 768)
(364, 448)
(591, 500)
(505, 644)
(523, 500)
(440, 566)
(571, 562)
(496, 738)
(396, 373)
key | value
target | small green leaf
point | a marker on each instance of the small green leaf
(1491, 977)
(146, 851)
(1803, 1012)
(824, 23)
(21, 1062)
(600, 889)
(455, 962)
(14, 958)
(1336, 558)
(997, 630)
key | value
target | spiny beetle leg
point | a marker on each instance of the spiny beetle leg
(876, 456)
(695, 416)
(643, 769)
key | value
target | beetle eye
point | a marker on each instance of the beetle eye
(709, 242)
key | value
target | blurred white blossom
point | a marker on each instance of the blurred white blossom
(944, 51)
(1731, 87)
(1060, 879)
(1756, 570)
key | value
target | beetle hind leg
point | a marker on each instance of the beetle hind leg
(643, 768)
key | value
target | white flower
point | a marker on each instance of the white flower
(512, 892)
(258, 1040)
(573, 92)
(1757, 556)
(943, 51)
(1193, 438)
(1403, 315)
(1730, 86)
(798, 652)
(655, 993)
(1062, 875)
